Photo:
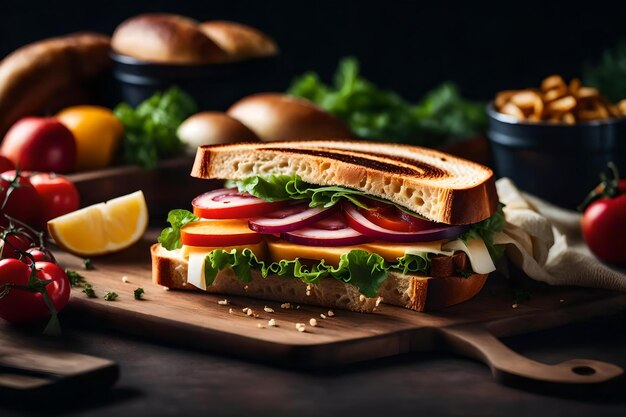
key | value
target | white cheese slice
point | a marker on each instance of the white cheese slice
(477, 253)
(195, 269)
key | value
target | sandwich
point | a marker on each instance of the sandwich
(339, 224)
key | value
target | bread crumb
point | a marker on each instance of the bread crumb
(166, 288)
(313, 322)
(323, 315)
(378, 301)
(330, 313)
(249, 312)
(245, 288)
(260, 326)
(297, 307)
(184, 284)
(285, 306)
(268, 309)
(223, 302)
(561, 301)
(231, 311)
(300, 327)
(514, 306)
(272, 323)
(308, 289)
(125, 279)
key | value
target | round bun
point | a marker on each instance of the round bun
(274, 116)
(165, 38)
(240, 42)
(45, 76)
(213, 128)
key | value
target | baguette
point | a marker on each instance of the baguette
(418, 293)
(436, 185)
(45, 76)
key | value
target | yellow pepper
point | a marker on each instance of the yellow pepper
(97, 132)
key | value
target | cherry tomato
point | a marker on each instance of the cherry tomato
(392, 218)
(20, 305)
(58, 195)
(6, 164)
(229, 203)
(39, 254)
(23, 201)
(604, 226)
(11, 243)
(218, 233)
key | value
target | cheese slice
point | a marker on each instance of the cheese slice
(197, 254)
(477, 253)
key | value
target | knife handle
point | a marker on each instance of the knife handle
(511, 368)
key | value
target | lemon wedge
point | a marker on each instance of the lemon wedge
(102, 228)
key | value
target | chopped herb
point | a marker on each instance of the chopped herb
(76, 279)
(110, 296)
(88, 264)
(89, 291)
(139, 293)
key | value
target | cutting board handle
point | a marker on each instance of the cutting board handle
(511, 368)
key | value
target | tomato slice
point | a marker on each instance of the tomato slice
(230, 203)
(391, 217)
(218, 233)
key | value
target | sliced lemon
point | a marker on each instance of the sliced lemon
(102, 228)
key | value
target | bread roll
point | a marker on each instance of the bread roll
(274, 116)
(165, 38)
(213, 128)
(240, 42)
(45, 76)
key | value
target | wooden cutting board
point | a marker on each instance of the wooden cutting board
(195, 319)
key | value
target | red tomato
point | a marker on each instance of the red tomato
(6, 164)
(58, 195)
(23, 306)
(39, 255)
(40, 144)
(604, 227)
(392, 218)
(218, 233)
(229, 203)
(11, 243)
(23, 201)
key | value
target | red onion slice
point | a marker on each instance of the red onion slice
(230, 203)
(358, 222)
(327, 233)
(290, 218)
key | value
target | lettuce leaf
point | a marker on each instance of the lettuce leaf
(367, 271)
(291, 187)
(170, 236)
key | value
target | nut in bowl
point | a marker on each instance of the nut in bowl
(553, 140)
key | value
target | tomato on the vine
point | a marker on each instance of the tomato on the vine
(13, 241)
(22, 298)
(58, 195)
(18, 199)
(6, 164)
(604, 219)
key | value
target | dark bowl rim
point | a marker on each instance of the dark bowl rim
(511, 120)
(135, 62)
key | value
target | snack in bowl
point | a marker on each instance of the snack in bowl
(342, 224)
(557, 101)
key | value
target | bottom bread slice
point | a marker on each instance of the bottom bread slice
(419, 293)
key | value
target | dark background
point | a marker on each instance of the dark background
(406, 46)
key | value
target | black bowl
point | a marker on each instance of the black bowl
(555, 161)
(213, 86)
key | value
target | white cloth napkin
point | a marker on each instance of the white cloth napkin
(545, 241)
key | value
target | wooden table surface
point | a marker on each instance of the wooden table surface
(162, 380)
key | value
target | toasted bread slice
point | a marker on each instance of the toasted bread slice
(436, 185)
(169, 269)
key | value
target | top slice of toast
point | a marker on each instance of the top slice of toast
(434, 184)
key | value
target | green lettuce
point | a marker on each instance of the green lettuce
(486, 229)
(367, 271)
(378, 114)
(170, 236)
(291, 187)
